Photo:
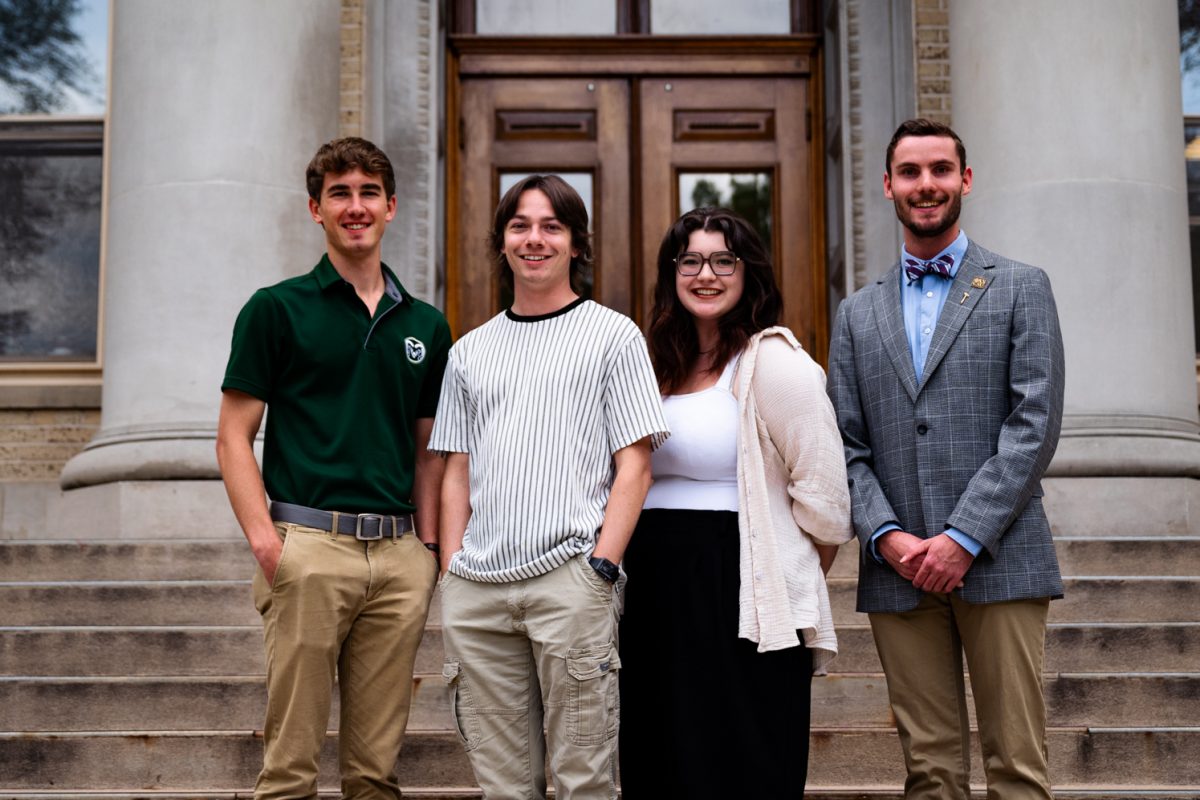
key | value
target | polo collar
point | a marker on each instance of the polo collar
(327, 275)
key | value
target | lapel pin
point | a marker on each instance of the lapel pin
(964, 298)
(978, 283)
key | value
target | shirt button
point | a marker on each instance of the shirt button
(926, 331)
(929, 294)
(921, 429)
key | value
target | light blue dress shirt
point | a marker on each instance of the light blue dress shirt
(922, 303)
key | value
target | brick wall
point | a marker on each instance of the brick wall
(350, 111)
(36, 443)
(932, 31)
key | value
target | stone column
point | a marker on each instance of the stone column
(215, 109)
(1072, 117)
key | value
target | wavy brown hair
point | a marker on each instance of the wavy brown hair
(343, 155)
(674, 344)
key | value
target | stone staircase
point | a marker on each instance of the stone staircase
(134, 668)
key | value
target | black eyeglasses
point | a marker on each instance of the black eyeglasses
(722, 262)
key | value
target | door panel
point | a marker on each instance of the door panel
(646, 145)
(734, 127)
(542, 125)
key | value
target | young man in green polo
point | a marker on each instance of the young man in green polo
(351, 366)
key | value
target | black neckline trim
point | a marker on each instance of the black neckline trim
(508, 312)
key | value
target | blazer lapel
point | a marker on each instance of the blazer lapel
(969, 285)
(889, 316)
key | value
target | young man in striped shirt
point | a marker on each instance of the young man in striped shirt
(547, 415)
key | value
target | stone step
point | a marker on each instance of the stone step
(864, 758)
(238, 702)
(1146, 556)
(823, 793)
(238, 650)
(1072, 699)
(230, 559)
(197, 602)
(1085, 647)
(229, 602)
(154, 651)
(1088, 599)
(1086, 556)
(124, 560)
(211, 703)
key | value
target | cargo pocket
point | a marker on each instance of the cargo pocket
(593, 705)
(466, 720)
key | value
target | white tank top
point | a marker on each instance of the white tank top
(697, 467)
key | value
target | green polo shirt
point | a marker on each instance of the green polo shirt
(342, 389)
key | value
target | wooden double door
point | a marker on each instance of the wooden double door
(640, 150)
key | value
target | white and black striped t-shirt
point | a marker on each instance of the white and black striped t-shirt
(540, 404)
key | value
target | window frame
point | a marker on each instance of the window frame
(79, 379)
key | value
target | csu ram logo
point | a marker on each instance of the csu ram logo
(415, 350)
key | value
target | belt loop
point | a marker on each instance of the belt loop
(333, 534)
(395, 529)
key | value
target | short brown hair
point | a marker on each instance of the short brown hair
(924, 127)
(568, 208)
(343, 155)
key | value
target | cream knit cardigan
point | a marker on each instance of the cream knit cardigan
(792, 492)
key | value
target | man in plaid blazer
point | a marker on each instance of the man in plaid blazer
(947, 377)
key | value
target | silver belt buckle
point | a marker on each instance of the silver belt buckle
(367, 537)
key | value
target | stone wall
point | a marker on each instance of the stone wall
(36, 442)
(931, 28)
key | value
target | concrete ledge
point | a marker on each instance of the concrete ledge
(1122, 506)
(188, 509)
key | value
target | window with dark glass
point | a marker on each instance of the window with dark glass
(1189, 66)
(53, 58)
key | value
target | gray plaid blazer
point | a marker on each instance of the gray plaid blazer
(966, 443)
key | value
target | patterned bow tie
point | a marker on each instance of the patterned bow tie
(940, 266)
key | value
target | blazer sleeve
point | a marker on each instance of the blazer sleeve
(869, 506)
(1002, 486)
(789, 391)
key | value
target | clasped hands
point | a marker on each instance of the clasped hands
(936, 564)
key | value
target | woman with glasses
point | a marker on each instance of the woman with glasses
(726, 613)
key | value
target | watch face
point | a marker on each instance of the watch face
(605, 568)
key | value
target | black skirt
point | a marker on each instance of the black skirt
(703, 713)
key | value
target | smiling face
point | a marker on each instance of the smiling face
(926, 183)
(708, 297)
(538, 247)
(354, 212)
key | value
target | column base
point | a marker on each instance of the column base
(145, 453)
(1127, 446)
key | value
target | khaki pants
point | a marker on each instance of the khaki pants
(528, 654)
(922, 655)
(357, 610)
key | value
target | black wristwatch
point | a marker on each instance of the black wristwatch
(605, 568)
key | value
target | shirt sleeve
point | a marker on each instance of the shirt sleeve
(431, 389)
(632, 404)
(968, 542)
(452, 422)
(254, 354)
(886, 527)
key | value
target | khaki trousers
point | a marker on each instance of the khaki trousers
(528, 654)
(922, 654)
(352, 609)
